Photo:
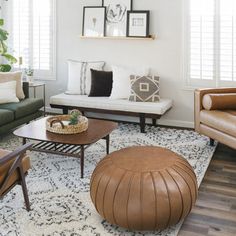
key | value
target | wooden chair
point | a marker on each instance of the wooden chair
(13, 169)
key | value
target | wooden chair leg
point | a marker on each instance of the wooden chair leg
(24, 188)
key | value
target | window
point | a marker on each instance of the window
(210, 45)
(31, 24)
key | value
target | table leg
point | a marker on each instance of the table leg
(24, 141)
(82, 161)
(44, 100)
(34, 92)
(108, 143)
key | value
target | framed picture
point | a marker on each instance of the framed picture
(116, 16)
(94, 21)
(138, 23)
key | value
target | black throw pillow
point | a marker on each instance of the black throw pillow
(101, 83)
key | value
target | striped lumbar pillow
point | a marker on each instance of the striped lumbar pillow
(79, 76)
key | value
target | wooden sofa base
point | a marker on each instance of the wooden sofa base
(142, 116)
(218, 136)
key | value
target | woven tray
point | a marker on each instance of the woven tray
(60, 125)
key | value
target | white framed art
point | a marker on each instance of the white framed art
(116, 16)
(138, 23)
(94, 21)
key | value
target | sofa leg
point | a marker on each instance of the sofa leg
(65, 110)
(212, 142)
(142, 122)
(154, 122)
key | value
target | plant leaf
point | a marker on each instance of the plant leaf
(3, 47)
(3, 35)
(5, 68)
(1, 22)
(10, 58)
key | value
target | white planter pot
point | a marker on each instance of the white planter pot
(30, 78)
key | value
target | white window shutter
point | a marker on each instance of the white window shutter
(210, 42)
(227, 40)
(32, 29)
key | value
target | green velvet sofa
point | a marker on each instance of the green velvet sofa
(16, 114)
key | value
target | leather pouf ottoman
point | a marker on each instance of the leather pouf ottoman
(143, 188)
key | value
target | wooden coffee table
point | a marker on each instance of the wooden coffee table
(67, 145)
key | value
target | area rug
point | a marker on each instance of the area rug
(60, 199)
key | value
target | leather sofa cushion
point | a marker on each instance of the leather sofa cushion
(224, 121)
(6, 116)
(5, 168)
(25, 107)
(220, 101)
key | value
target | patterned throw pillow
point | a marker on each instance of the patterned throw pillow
(145, 88)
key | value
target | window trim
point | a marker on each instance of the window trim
(188, 83)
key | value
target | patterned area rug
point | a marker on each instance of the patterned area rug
(60, 199)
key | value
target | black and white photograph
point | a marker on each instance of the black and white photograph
(94, 21)
(138, 23)
(116, 16)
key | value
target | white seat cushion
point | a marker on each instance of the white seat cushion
(106, 103)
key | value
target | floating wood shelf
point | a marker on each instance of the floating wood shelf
(151, 37)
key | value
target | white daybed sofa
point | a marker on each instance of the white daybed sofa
(106, 105)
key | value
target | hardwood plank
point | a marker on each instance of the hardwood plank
(216, 213)
(220, 232)
(215, 210)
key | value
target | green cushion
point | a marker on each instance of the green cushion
(12, 125)
(24, 107)
(6, 116)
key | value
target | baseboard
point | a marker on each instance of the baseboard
(162, 121)
(176, 123)
(53, 110)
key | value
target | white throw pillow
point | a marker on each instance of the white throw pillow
(13, 76)
(121, 87)
(79, 76)
(8, 92)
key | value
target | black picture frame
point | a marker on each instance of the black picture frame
(120, 27)
(104, 21)
(147, 26)
(131, 4)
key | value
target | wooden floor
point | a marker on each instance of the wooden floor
(215, 210)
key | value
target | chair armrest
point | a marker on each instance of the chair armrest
(198, 96)
(26, 89)
(18, 155)
(14, 154)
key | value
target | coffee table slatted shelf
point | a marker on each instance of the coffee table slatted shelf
(57, 148)
(72, 145)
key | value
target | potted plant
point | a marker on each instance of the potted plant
(29, 75)
(5, 67)
(74, 117)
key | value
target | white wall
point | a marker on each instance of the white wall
(163, 55)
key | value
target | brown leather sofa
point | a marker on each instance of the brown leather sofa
(216, 118)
